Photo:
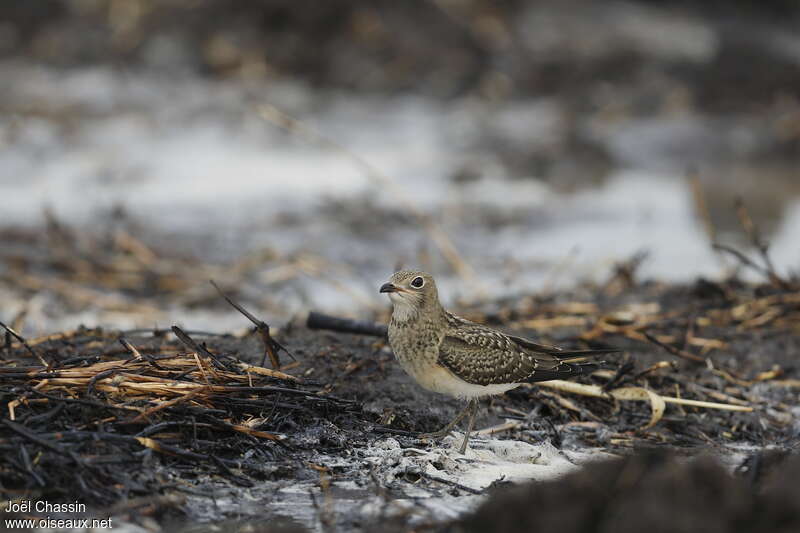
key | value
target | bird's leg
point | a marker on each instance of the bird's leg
(449, 427)
(473, 407)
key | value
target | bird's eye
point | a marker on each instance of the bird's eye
(417, 282)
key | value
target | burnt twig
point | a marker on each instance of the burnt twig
(673, 350)
(761, 246)
(625, 368)
(345, 325)
(136, 353)
(33, 437)
(10, 331)
(192, 345)
(271, 346)
(455, 484)
(743, 259)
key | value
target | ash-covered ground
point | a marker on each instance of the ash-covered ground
(351, 459)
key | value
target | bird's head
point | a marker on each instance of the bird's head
(411, 291)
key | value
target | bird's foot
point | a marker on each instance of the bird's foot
(464, 443)
(445, 431)
(471, 410)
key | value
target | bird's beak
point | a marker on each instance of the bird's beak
(389, 287)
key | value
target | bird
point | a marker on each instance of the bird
(451, 355)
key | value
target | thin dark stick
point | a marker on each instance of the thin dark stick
(100, 375)
(26, 459)
(746, 261)
(451, 483)
(192, 345)
(753, 233)
(345, 325)
(271, 346)
(136, 353)
(762, 247)
(625, 368)
(19, 337)
(33, 437)
(673, 350)
(393, 431)
(46, 416)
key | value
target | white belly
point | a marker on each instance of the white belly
(439, 379)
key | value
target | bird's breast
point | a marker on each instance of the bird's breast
(415, 346)
(417, 351)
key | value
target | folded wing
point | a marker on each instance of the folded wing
(483, 356)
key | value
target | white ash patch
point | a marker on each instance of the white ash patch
(485, 462)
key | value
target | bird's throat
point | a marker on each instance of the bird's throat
(404, 312)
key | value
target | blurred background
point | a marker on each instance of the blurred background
(299, 152)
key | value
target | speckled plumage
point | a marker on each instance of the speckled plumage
(424, 336)
(451, 355)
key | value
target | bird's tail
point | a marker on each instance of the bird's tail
(565, 370)
(588, 368)
(580, 356)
